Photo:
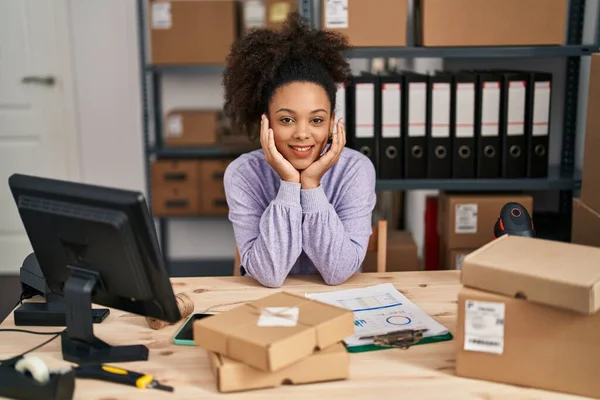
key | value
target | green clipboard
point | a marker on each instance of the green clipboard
(374, 347)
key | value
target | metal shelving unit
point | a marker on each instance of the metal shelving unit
(562, 178)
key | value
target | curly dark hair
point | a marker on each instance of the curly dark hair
(262, 60)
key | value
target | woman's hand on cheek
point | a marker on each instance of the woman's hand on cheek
(310, 178)
(283, 167)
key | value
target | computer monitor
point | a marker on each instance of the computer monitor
(95, 245)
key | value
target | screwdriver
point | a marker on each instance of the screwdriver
(119, 375)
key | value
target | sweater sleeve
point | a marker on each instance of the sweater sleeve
(336, 239)
(269, 240)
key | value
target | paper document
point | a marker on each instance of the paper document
(379, 309)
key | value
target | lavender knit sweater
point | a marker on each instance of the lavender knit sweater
(282, 229)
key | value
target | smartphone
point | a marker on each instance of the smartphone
(185, 335)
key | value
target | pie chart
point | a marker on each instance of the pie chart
(398, 320)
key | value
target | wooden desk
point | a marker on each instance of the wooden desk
(421, 372)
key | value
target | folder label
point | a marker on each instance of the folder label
(365, 110)
(490, 109)
(541, 108)
(440, 110)
(390, 98)
(516, 108)
(417, 104)
(340, 105)
(336, 14)
(465, 110)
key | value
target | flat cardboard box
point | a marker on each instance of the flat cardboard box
(191, 31)
(332, 363)
(514, 341)
(557, 274)
(466, 220)
(492, 22)
(274, 332)
(585, 225)
(590, 186)
(402, 254)
(372, 23)
(191, 127)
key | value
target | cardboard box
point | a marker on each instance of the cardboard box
(402, 254)
(590, 186)
(274, 332)
(332, 363)
(191, 31)
(466, 221)
(213, 197)
(517, 342)
(268, 14)
(547, 272)
(176, 187)
(191, 128)
(373, 23)
(585, 225)
(451, 259)
(492, 22)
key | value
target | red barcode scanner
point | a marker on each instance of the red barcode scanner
(514, 220)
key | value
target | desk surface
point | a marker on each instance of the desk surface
(421, 372)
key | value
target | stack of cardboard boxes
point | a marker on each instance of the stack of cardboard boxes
(586, 210)
(529, 315)
(466, 222)
(276, 339)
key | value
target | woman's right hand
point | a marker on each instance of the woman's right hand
(283, 167)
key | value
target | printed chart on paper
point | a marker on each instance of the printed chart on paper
(380, 309)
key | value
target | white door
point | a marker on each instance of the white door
(37, 129)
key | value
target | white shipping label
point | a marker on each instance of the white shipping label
(465, 218)
(390, 120)
(440, 110)
(516, 108)
(541, 108)
(490, 109)
(465, 110)
(336, 14)
(161, 16)
(417, 105)
(365, 110)
(254, 13)
(484, 326)
(458, 261)
(279, 316)
(175, 125)
(340, 105)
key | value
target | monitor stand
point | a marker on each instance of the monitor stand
(79, 345)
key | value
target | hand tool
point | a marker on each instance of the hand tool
(119, 375)
(402, 339)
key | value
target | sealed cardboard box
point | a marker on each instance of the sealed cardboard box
(547, 272)
(373, 23)
(514, 341)
(451, 259)
(332, 363)
(492, 22)
(590, 185)
(585, 225)
(466, 221)
(214, 201)
(175, 187)
(402, 254)
(274, 332)
(191, 31)
(191, 128)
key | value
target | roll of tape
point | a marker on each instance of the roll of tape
(35, 367)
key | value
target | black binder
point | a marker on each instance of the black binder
(362, 116)
(537, 125)
(487, 124)
(439, 143)
(391, 151)
(462, 124)
(414, 118)
(512, 128)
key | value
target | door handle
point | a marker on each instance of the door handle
(42, 80)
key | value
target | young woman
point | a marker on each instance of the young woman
(301, 204)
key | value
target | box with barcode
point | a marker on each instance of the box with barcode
(466, 220)
(274, 332)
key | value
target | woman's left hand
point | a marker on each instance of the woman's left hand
(310, 178)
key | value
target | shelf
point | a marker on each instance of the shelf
(555, 181)
(200, 152)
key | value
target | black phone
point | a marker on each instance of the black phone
(185, 335)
